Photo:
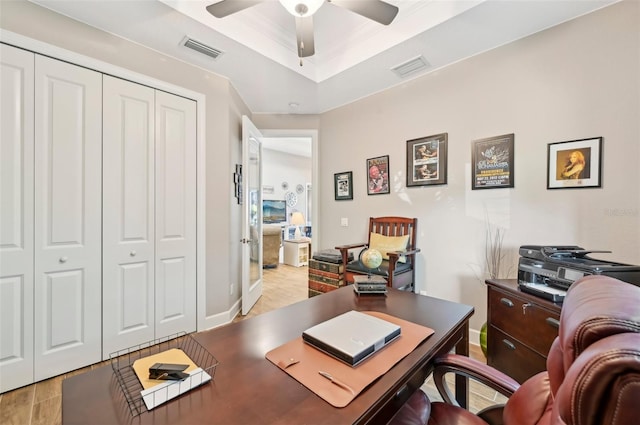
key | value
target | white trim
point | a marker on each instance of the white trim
(46, 49)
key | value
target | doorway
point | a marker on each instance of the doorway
(290, 175)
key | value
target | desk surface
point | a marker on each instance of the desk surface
(247, 388)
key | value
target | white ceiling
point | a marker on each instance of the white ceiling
(354, 56)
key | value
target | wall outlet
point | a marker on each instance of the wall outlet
(344, 222)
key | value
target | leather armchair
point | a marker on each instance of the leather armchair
(271, 243)
(593, 367)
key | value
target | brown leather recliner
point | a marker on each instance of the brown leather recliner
(593, 368)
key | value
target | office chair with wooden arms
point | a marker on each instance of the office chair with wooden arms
(395, 238)
(593, 369)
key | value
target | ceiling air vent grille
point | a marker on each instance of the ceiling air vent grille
(202, 48)
(411, 66)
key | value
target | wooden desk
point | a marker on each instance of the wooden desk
(248, 389)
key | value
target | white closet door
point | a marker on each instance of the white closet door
(128, 215)
(16, 218)
(68, 141)
(175, 214)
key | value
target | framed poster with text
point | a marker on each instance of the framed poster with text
(492, 162)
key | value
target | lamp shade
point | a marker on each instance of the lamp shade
(297, 219)
(302, 8)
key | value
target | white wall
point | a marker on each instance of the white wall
(279, 167)
(577, 80)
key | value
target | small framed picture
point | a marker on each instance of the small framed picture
(343, 186)
(427, 160)
(378, 175)
(492, 162)
(574, 164)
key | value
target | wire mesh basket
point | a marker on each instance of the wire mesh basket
(122, 364)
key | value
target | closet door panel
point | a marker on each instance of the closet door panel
(68, 160)
(128, 231)
(16, 217)
(175, 214)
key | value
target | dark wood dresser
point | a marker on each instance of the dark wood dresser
(520, 329)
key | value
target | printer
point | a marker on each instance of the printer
(549, 271)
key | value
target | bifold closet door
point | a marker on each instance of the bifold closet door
(175, 214)
(68, 210)
(128, 216)
(16, 218)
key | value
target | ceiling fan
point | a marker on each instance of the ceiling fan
(303, 11)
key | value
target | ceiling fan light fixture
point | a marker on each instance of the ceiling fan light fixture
(302, 8)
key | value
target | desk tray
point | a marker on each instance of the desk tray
(122, 364)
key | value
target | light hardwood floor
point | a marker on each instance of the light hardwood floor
(41, 403)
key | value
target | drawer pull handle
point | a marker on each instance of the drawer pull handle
(506, 302)
(133, 253)
(509, 344)
(63, 260)
(554, 323)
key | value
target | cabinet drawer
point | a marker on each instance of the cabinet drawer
(511, 357)
(525, 321)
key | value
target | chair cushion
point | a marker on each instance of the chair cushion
(446, 414)
(531, 403)
(384, 244)
(357, 267)
(414, 412)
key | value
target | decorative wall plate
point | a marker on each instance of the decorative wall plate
(285, 185)
(291, 198)
(299, 189)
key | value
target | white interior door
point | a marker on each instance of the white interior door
(128, 234)
(68, 211)
(16, 218)
(175, 286)
(252, 214)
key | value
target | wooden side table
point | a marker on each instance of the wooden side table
(520, 329)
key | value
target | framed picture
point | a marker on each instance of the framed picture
(574, 164)
(378, 175)
(343, 186)
(427, 160)
(492, 162)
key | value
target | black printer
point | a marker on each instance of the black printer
(560, 266)
(548, 271)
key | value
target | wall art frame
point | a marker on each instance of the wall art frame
(575, 164)
(427, 160)
(343, 186)
(492, 162)
(378, 175)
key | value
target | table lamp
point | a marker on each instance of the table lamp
(297, 219)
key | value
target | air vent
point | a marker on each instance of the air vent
(201, 47)
(411, 66)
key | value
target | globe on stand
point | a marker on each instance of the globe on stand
(371, 259)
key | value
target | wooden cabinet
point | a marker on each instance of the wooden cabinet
(521, 328)
(296, 252)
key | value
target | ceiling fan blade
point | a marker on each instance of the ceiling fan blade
(304, 36)
(376, 10)
(227, 7)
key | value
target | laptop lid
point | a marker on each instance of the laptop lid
(352, 336)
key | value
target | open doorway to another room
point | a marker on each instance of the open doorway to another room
(288, 205)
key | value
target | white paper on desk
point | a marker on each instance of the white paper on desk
(164, 392)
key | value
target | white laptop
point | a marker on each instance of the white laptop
(351, 337)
